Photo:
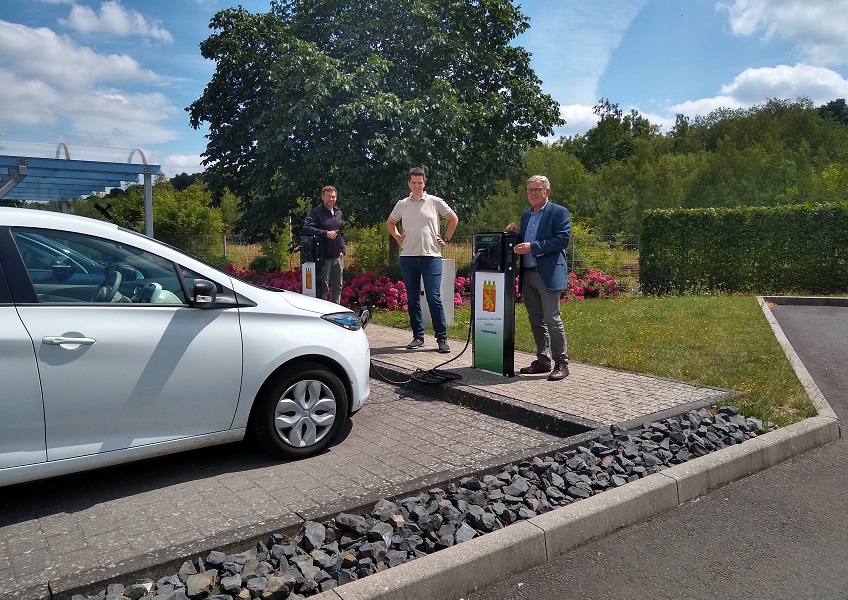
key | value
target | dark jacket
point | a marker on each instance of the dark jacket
(318, 222)
(552, 239)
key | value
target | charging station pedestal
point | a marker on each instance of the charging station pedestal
(311, 266)
(494, 302)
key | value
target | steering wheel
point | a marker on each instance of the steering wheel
(107, 290)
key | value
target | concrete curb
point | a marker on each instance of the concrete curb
(462, 569)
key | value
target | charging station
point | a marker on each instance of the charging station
(494, 302)
(311, 266)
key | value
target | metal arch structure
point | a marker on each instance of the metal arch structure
(31, 177)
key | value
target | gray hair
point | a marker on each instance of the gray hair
(541, 179)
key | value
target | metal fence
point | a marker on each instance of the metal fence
(614, 255)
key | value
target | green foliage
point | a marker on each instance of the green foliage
(182, 218)
(590, 250)
(612, 139)
(370, 245)
(800, 249)
(219, 261)
(393, 272)
(352, 93)
(276, 248)
(265, 264)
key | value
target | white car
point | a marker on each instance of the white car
(163, 353)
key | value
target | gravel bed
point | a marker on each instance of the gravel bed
(348, 547)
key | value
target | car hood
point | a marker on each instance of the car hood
(308, 303)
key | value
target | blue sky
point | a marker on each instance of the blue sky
(120, 73)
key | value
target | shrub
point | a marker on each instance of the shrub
(593, 284)
(377, 291)
(219, 261)
(367, 246)
(392, 272)
(265, 264)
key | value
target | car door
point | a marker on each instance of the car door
(22, 421)
(130, 371)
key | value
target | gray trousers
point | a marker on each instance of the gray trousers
(545, 320)
(331, 277)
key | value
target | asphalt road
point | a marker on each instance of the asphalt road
(782, 533)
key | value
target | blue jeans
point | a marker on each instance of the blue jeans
(428, 268)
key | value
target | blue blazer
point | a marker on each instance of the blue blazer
(552, 239)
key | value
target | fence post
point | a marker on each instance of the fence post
(224, 237)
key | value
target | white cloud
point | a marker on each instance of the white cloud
(42, 54)
(26, 101)
(575, 28)
(820, 84)
(49, 80)
(818, 27)
(174, 164)
(579, 118)
(704, 106)
(116, 20)
(753, 87)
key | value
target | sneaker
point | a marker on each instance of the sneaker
(415, 343)
(443, 345)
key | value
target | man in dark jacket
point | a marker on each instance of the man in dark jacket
(325, 221)
(543, 238)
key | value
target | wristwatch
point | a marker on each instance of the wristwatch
(446, 239)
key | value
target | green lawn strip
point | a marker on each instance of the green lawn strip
(721, 341)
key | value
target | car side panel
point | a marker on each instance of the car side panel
(272, 342)
(154, 373)
(21, 409)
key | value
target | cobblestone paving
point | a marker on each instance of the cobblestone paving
(593, 393)
(69, 525)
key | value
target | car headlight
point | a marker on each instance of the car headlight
(348, 320)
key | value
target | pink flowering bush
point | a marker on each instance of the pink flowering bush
(461, 291)
(377, 291)
(593, 284)
(286, 280)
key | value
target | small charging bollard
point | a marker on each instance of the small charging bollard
(494, 302)
(310, 266)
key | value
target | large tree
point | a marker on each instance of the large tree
(354, 92)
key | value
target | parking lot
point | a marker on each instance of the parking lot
(139, 519)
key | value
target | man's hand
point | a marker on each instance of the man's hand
(332, 234)
(512, 228)
(522, 248)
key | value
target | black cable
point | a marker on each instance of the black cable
(436, 375)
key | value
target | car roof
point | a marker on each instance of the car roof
(28, 217)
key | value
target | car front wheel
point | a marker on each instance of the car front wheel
(300, 412)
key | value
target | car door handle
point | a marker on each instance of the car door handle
(58, 340)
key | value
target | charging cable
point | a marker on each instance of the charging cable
(436, 375)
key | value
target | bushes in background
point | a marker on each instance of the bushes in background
(798, 249)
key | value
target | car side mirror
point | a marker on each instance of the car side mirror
(205, 292)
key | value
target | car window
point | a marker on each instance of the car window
(71, 267)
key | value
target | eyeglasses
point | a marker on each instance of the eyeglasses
(538, 190)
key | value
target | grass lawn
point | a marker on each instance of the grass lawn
(721, 341)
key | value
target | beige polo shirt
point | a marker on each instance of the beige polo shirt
(420, 223)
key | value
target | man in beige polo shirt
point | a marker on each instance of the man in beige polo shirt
(421, 254)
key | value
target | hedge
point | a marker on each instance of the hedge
(766, 250)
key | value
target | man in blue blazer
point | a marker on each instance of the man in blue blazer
(543, 239)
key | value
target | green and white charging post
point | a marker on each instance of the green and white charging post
(493, 312)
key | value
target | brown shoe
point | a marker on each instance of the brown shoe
(560, 372)
(535, 368)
